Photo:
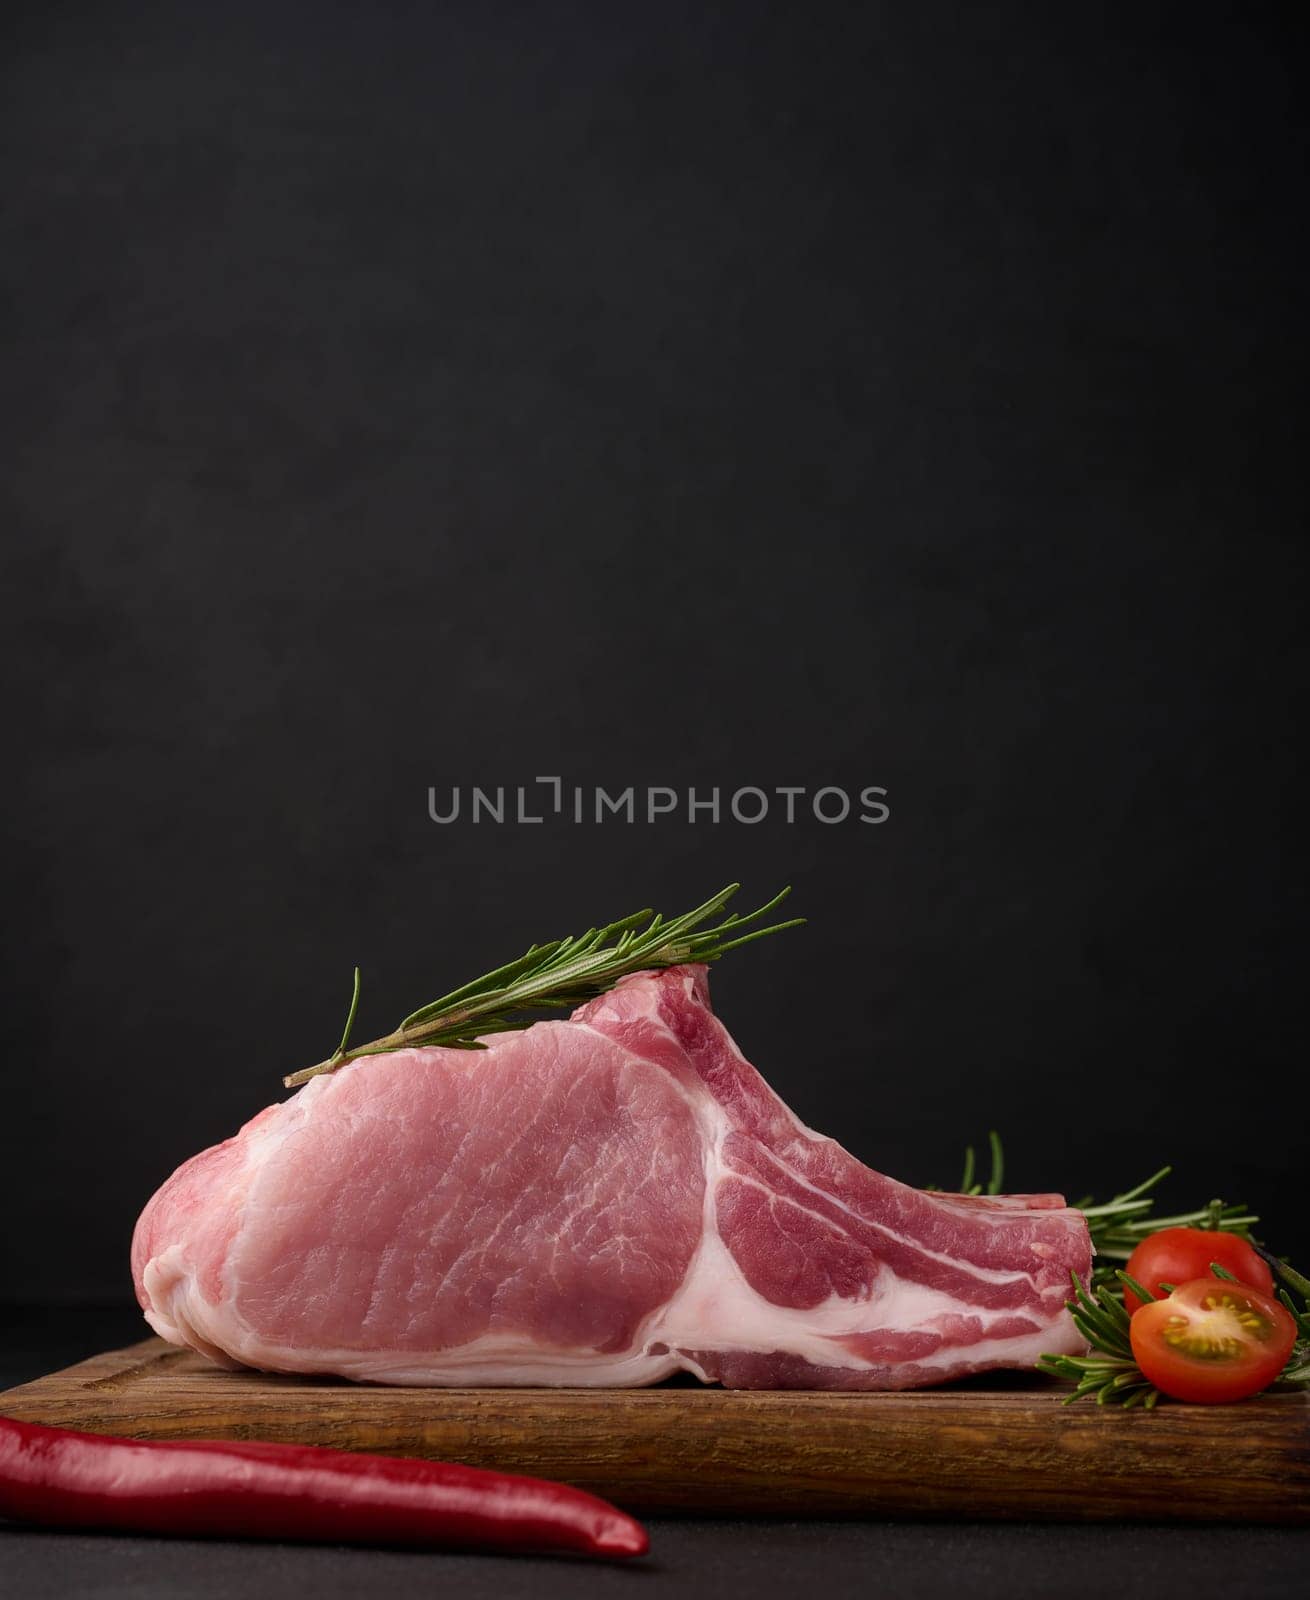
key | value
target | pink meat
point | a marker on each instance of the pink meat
(606, 1200)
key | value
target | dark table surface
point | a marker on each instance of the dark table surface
(689, 1557)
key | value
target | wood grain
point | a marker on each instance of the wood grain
(973, 1450)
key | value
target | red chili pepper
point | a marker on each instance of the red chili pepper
(291, 1491)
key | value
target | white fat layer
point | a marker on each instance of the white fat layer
(715, 1295)
(715, 1128)
(714, 1309)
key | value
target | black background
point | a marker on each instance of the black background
(446, 395)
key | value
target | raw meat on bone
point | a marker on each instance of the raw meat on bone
(606, 1200)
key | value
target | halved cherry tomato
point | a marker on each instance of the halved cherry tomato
(1212, 1340)
(1176, 1255)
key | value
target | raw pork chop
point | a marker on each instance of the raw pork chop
(600, 1201)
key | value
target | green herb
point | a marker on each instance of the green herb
(1297, 1369)
(562, 974)
(996, 1176)
(1110, 1373)
(1117, 1225)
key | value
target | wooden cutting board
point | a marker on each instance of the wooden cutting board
(987, 1448)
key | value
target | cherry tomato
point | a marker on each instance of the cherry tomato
(1176, 1255)
(1211, 1340)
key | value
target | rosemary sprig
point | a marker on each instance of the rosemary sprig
(561, 974)
(1109, 1373)
(997, 1175)
(1117, 1225)
(1297, 1369)
(971, 1185)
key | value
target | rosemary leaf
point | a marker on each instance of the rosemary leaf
(562, 974)
(1109, 1372)
(998, 1163)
